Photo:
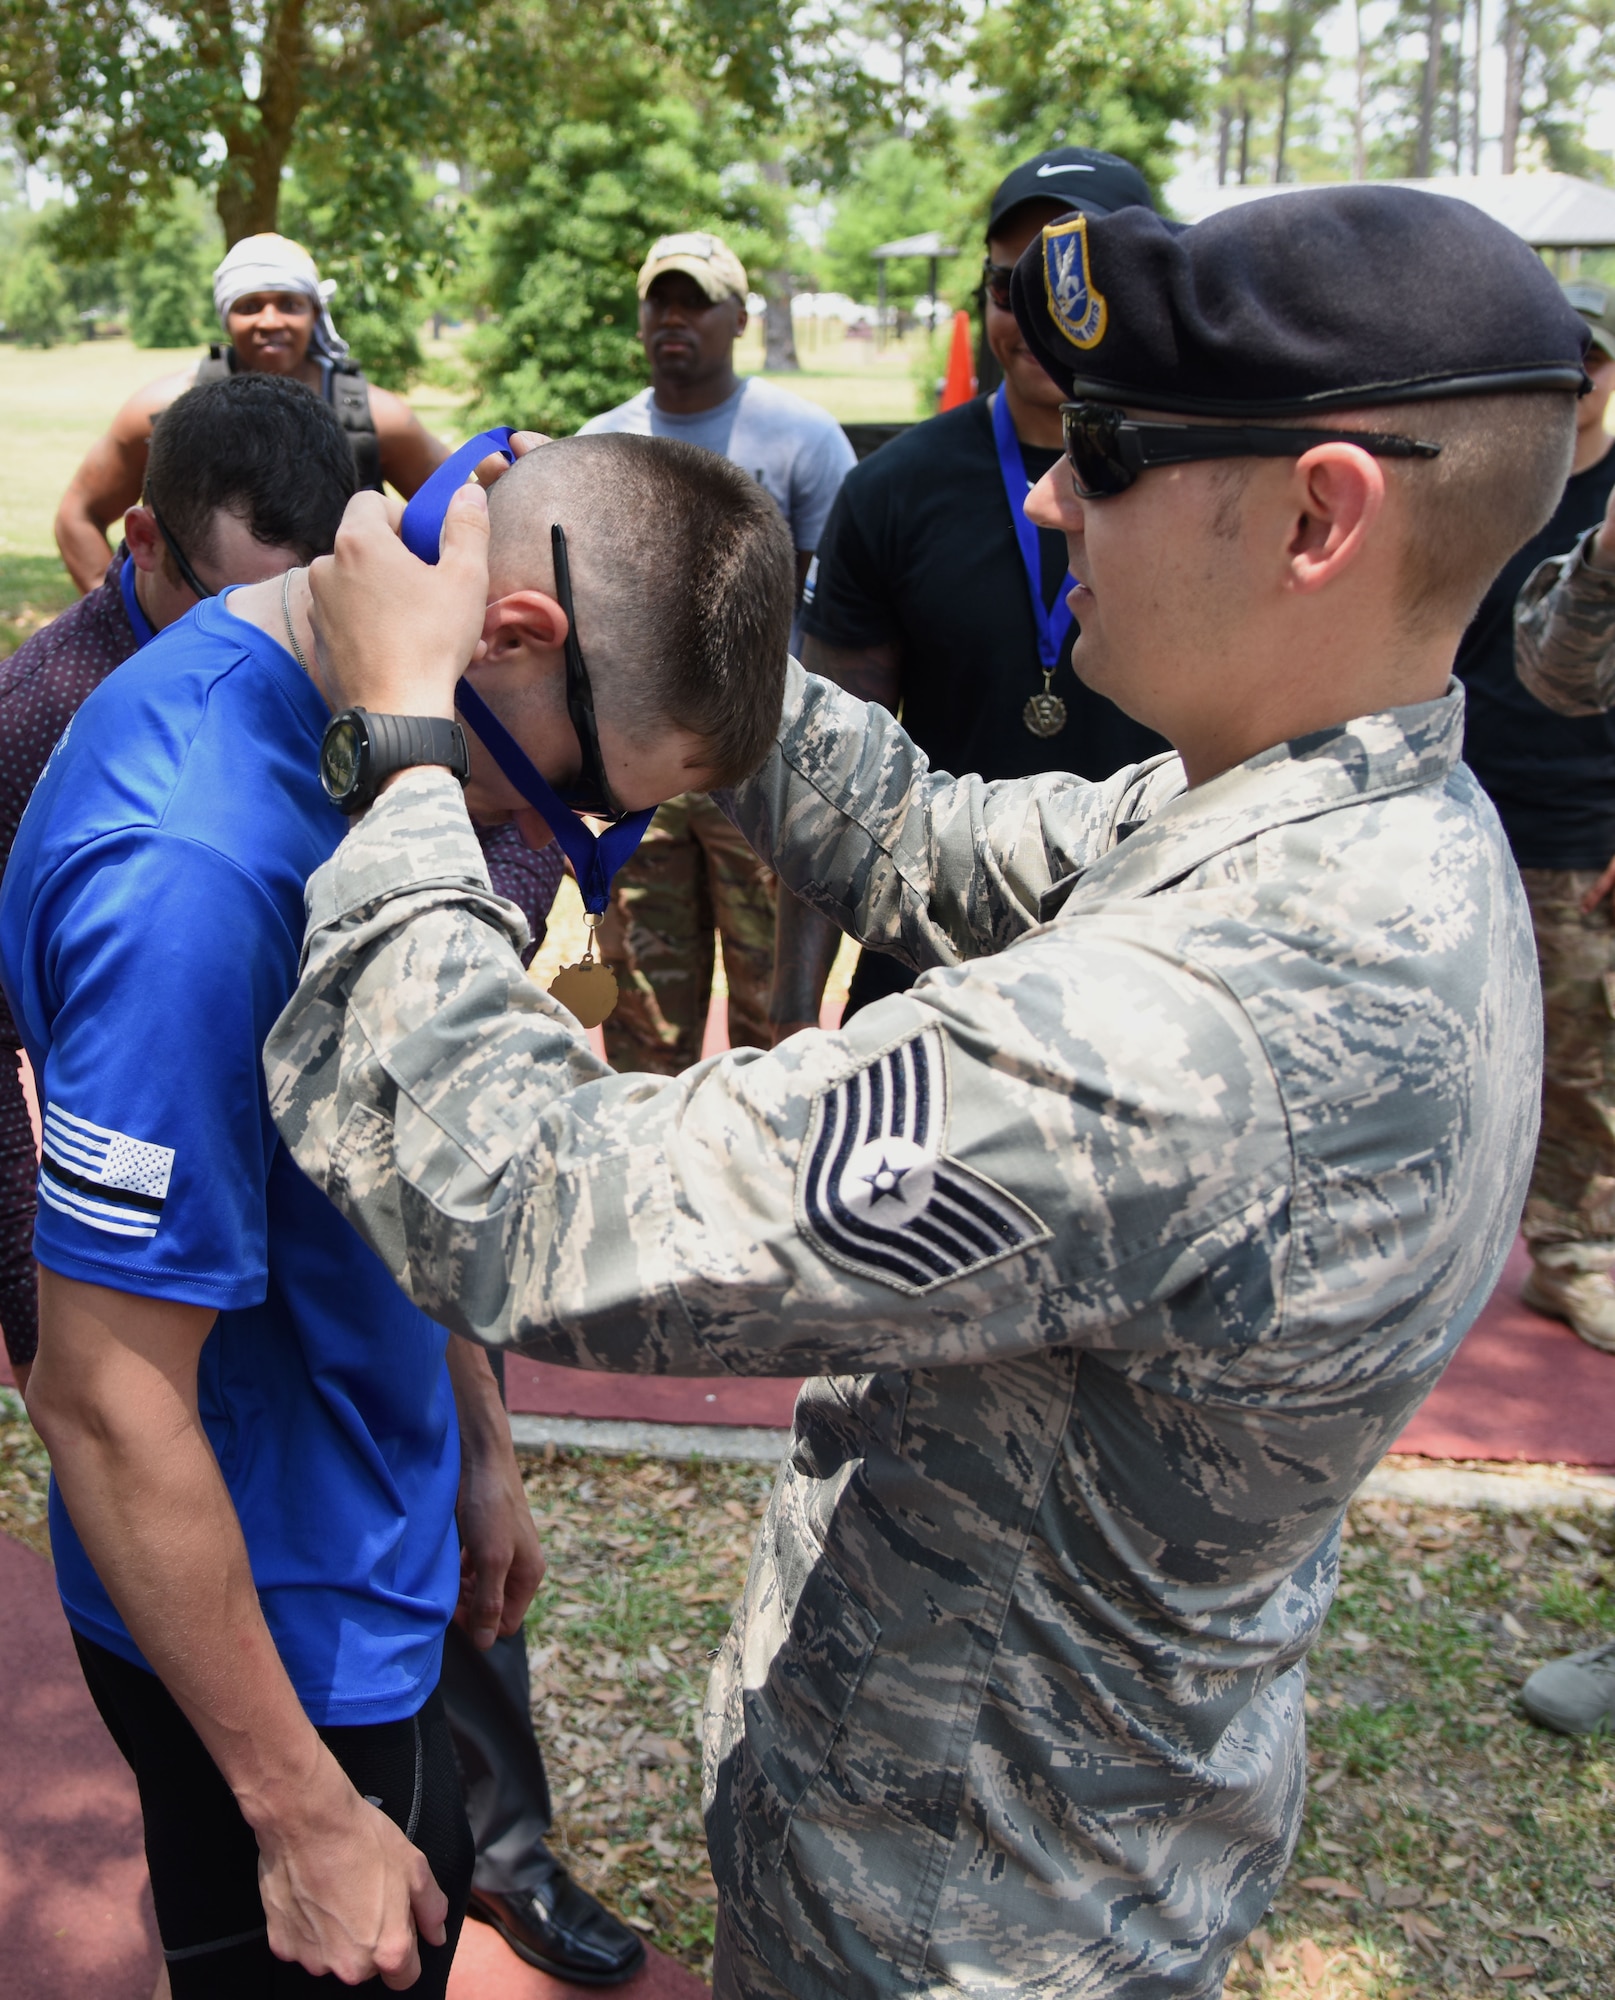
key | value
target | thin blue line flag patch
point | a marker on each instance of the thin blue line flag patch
(104, 1179)
(878, 1195)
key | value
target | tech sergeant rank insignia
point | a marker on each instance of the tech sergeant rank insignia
(877, 1194)
(1076, 308)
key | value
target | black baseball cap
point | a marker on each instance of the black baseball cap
(1074, 176)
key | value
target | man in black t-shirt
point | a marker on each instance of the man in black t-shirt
(1552, 779)
(932, 592)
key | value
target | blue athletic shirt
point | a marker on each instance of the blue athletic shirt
(150, 926)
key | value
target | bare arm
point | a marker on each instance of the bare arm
(1564, 626)
(409, 452)
(805, 943)
(501, 1562)
(113, 1394)
(108, 483)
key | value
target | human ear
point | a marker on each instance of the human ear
(1341, 490)
(145, 543)
(522, 621)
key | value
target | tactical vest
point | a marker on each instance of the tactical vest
(344, 388)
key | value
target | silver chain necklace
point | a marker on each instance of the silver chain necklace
(286, 613)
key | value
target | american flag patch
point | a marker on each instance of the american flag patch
(102, 1178)
(878, 1195)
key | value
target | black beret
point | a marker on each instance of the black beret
(1325, 297)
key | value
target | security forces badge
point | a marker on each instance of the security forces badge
(1077, 309)
(877, 1194)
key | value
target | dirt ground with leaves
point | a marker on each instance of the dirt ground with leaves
(1450, 1849)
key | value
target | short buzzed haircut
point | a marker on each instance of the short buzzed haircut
(260, 447)
(1501, 473)
(683, 580)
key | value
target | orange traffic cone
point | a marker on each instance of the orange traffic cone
(959, 384)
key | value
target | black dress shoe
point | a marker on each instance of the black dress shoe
(562, 1930)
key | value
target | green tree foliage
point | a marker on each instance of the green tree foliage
(897, 190)
(385, 232)
(165, 273)
(127, 97)
(1110, 73)
(568, 232)
(34, 303)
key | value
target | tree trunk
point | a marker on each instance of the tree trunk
(1225, 118)
(779, 337)
(248, 197)
(1462, 17)
(1282, 137)
(1246, 39)
(1359, 116)
(1513, 83)
(1430, 95)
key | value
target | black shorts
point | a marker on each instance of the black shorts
(203, 1856)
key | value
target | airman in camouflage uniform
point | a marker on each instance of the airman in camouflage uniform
(1553, 782)
(1564, 626)
(693, 878)
(1118, 1249)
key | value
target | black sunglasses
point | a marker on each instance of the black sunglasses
(192, 580)
(995, 282)
(593, 794)
(1108, 451)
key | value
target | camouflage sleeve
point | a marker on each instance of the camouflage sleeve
(932, 869)
(1564, 633)
(996, 1164)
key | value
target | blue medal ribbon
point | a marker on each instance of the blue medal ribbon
(1053, 622)
(139, 622)
(595, 858)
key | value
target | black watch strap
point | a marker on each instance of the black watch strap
(360, 751)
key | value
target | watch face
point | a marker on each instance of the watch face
(339, 759)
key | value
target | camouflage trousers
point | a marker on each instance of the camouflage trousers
(693, 875)
(1570, 1209)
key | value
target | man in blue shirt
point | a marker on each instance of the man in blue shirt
(253, 1431)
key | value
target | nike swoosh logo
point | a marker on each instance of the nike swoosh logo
(1075, 168)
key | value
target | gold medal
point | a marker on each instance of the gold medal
(587, 990)
(1044, 714)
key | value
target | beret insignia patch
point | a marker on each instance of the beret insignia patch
(878, 1195)
(1077, 309)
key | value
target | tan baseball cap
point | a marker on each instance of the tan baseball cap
(705, 258)
(1596, 304)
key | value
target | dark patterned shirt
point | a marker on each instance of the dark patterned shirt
(41, 688)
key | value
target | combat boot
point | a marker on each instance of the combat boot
(1575, 1694)
(1586, 1299)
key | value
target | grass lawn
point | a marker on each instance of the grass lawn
(55, 402)
(1450, 1849)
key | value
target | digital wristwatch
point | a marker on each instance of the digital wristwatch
(361, 751)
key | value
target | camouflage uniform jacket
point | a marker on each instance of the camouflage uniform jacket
(1564, 633)
(1122, 1246)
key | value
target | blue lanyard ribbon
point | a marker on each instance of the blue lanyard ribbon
(422, 525)
(139, 622)
(595, 858)
(1053, 622)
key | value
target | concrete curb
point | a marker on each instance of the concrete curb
(1523, 1489)
(736, 1444)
